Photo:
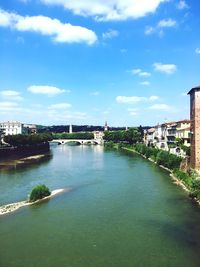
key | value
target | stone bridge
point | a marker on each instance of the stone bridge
(79, 141)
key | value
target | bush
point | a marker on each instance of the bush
(195, 189)
(39, 192)
(183, 176)
(160, 156)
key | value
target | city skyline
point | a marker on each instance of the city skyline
(87, 62)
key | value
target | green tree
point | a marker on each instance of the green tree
(40, 191)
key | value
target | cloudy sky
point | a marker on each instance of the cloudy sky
(127, 62)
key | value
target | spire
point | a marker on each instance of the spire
(70, 129)
(106, 126)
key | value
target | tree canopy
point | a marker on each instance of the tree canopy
(24, 139)
(131, 136)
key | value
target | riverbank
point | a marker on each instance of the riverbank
(15, 206)
(185, 186)
(24, 150)
(10, 163)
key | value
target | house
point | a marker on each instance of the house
(12, 127)
(164, 136)
(16, 127)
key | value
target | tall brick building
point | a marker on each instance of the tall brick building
(195, 127)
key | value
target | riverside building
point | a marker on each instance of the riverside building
(195, 126)
(16, 127)
(11, 127)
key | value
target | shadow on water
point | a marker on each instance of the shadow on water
(25, 163)
(184, 235)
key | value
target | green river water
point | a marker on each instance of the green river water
(122, 211)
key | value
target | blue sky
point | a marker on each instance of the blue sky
(127, 62)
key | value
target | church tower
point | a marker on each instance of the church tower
(106, 126)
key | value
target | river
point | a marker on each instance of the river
(122, 211)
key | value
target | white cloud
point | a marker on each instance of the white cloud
(165, 68)
(134, 99)
(58, 31)
(45, 90)
(141, 73)
(133, 111)
(65, 115)
(144, 74)
(110, 34)
(130, 99)
(95, 93)
(9, 106)
(154, 97)
(11, 95)
(60, 106)
(110, 9)
(123, 50)
(166, 23)
(182, 5)
(163, 107)
(145, 83)
(197, 51)
(136, 71)
(149, 30)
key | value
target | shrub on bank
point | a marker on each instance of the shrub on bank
(191, 182)
(39, 192)
(195, 189)
(161, 157)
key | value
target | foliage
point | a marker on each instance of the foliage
(179, 141)
(195, 189)
(109, 144)
(24, 139)
(191, 182)
(162, 157)
(39, 192)
(81, 135)
(186, 149)
(183, 176)
(131, 136)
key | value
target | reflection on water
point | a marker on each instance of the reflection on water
(26, 162)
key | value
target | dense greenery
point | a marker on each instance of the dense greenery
(131, 136)
(82, 135)
(191, 181)
(161, 157)
(39, 192)
(76, 128)
(24, 139)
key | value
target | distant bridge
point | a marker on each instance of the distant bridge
(79, 141)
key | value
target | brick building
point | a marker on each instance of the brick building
(195, 127)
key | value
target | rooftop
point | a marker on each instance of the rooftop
(196, 88)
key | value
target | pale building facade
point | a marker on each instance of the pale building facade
(11, 128)
(16, 127)
(98, 135)
(164, 136)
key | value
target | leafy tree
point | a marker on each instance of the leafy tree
(131, 136)
(24, 139)
(82, 135)
(40, 191)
